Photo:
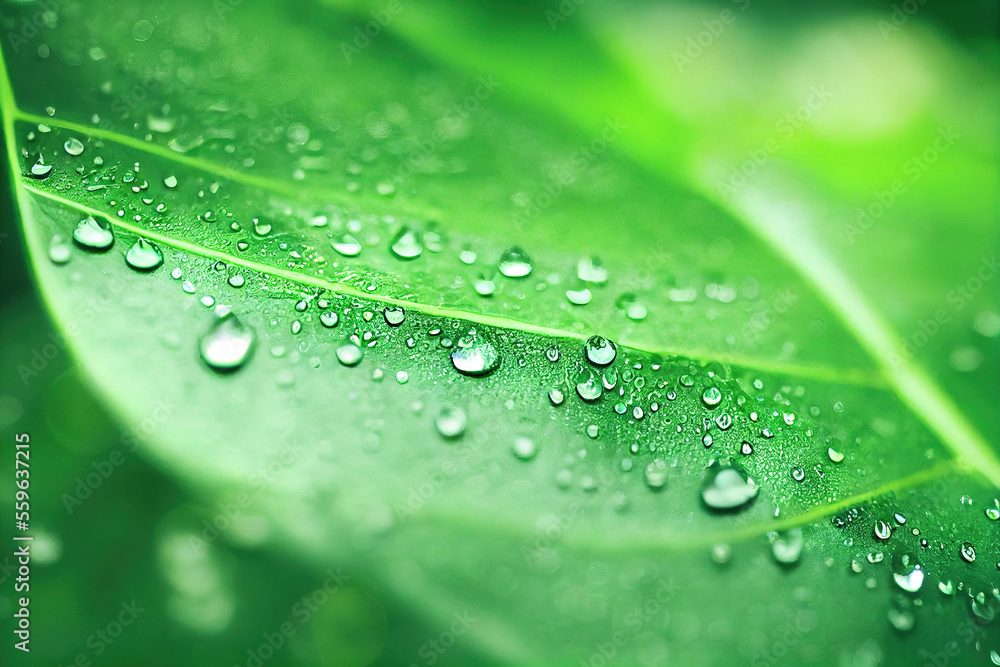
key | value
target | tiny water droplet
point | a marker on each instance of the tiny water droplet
(349, 354)
(475, 356)
(394, 316)
(406, 244)
(593, 430)
(524, 448)
(236, 280)
(724, 421)
(262, 227)
(402, 377)
(556, 397)
(468, 256)
(728, 489)
(227, 345)
(600, 351)
(968, 552)
(588, 386)
(946, 587)
(834, 455)
(579, 297)
(798, 474)
(95, 235)
(484, 287)
(746, 449)
(450, 422)
(73, 146)
(170, 181)
(907, 573)
(40, 171)
(721, 554)
(883, 530)
(515, 263)
(144, 256)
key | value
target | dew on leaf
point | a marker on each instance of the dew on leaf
(262, 227)
(346, 245)
(394, 316)
(656, 474)
(834, 455)
(59, 251)
(484, 287)
(144, 256)
(901, 619)
(579, 297)
(588, 386)
(73, 146)
(590, 270)
(349, 354)
(227, 345)
(402, 377)
(170, 181)
(967, 552)
(92, 234)
(721, 554)
(450, 422)
(600, 351)
(883, 530)
(711, 397)
(946, 587)
(40, 171)
(515, 263)
(556, 397)
(798, 474)
(728, 489)
(407, 244)
(787, 547)
(524, 448)
(475, 356)
(593, 430)
(907, 573)
(724, 421)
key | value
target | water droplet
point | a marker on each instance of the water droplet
(407, 244)
(834, 455)
(721, 554)
(728, 489)
(946, 587)
(262, 227)
(402, 377)
(901, 619)
(450, 422)
(524, 448)
(656, 474)
(579, 297)
(188, 286)
(992, 513)
(556, 397)
(590, 270)
(170, 181)
(968, 552)
(900, 519)
(593, 430)
(552, 353)
(475, 355)
(329, 319)
(724, 421)
(142, 30)
(227, 345)
(588, 386)
(711, 397)
(875, 557)
(236, 280)
(73, 146)
(746, 449)
(144, 256)
(798, 474)
(907, 573)
(883, 530)
(600, 351)
(40, 171)
(296, 327)
(346, 245)
(92, 234)
(468, 256)
(515, 263)
(349, 354)
(58, 250)
(636, 311)
(484, 287)
(787, 547)
(394, 316)
(707, 440)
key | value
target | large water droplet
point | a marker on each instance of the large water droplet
(170, 181)
(262, 226)
(58, 250)
(92, 234)
(329, 319)
(515, 263)
(728, 489)
(883, 530)
(711, 397)
(787, 547)
(407, 244)
(907, 573)
(73, 146)
(394, 316)
(227, 345)
(450, 422)
(143, 256)
(349, 354)
(579, 297)
(346, 245)
(475, 355)
(589, 386)
(600, 351)
(40, 170)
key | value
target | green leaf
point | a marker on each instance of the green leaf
(243, 141)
